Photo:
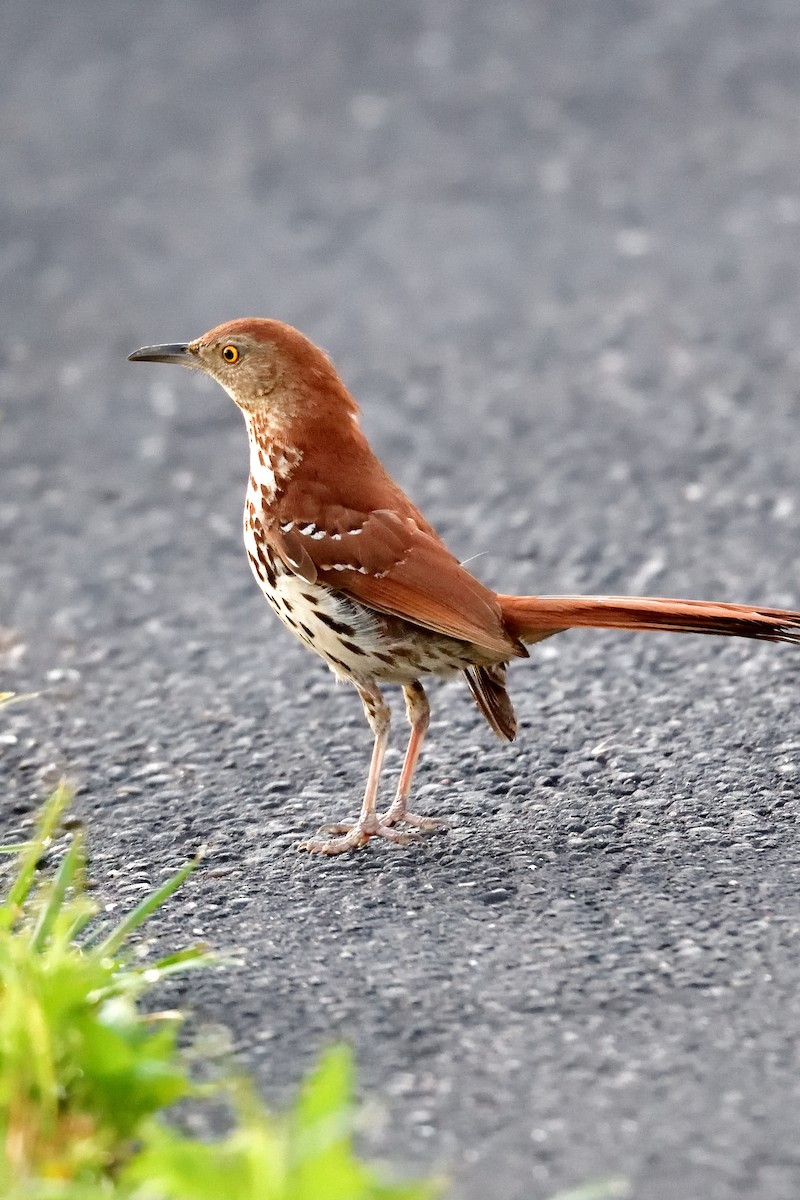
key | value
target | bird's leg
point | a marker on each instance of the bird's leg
(369, 824)
(419, 716)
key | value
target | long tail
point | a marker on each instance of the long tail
(532, 618)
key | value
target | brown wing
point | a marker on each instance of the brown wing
(386, 560)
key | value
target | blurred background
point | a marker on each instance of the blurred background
(509, 223)
(553, 249)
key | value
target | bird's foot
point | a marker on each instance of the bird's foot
(353, 836)
(398, 814)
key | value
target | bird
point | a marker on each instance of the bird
(352, 567)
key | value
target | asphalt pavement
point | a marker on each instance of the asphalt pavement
(554, 250)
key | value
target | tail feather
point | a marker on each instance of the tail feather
(488, 687)
(532, 618)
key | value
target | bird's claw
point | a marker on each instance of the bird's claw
(396, 814)
(354, 836)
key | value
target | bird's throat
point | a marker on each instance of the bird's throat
(272, 463)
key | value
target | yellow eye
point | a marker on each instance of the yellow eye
(230, 354)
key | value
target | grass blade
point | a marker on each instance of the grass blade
(15, 698)
(113, 941)
(71, 864)
(47, 825)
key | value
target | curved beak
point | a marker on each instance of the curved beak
(175, 352)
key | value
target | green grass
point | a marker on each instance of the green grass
(86, 1076)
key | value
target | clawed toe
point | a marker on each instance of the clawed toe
(353, 837)
(396, 815)
(339, 827)
(345, 836)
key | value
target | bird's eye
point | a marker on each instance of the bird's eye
(230, 354)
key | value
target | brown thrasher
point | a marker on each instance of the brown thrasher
(357, 573)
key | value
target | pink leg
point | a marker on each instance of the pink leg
(369, 824)
(419, 715)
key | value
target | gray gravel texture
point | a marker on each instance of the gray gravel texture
(553, 248)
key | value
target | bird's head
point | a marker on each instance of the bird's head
(269, 369)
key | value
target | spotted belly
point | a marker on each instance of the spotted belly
(356, 642)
